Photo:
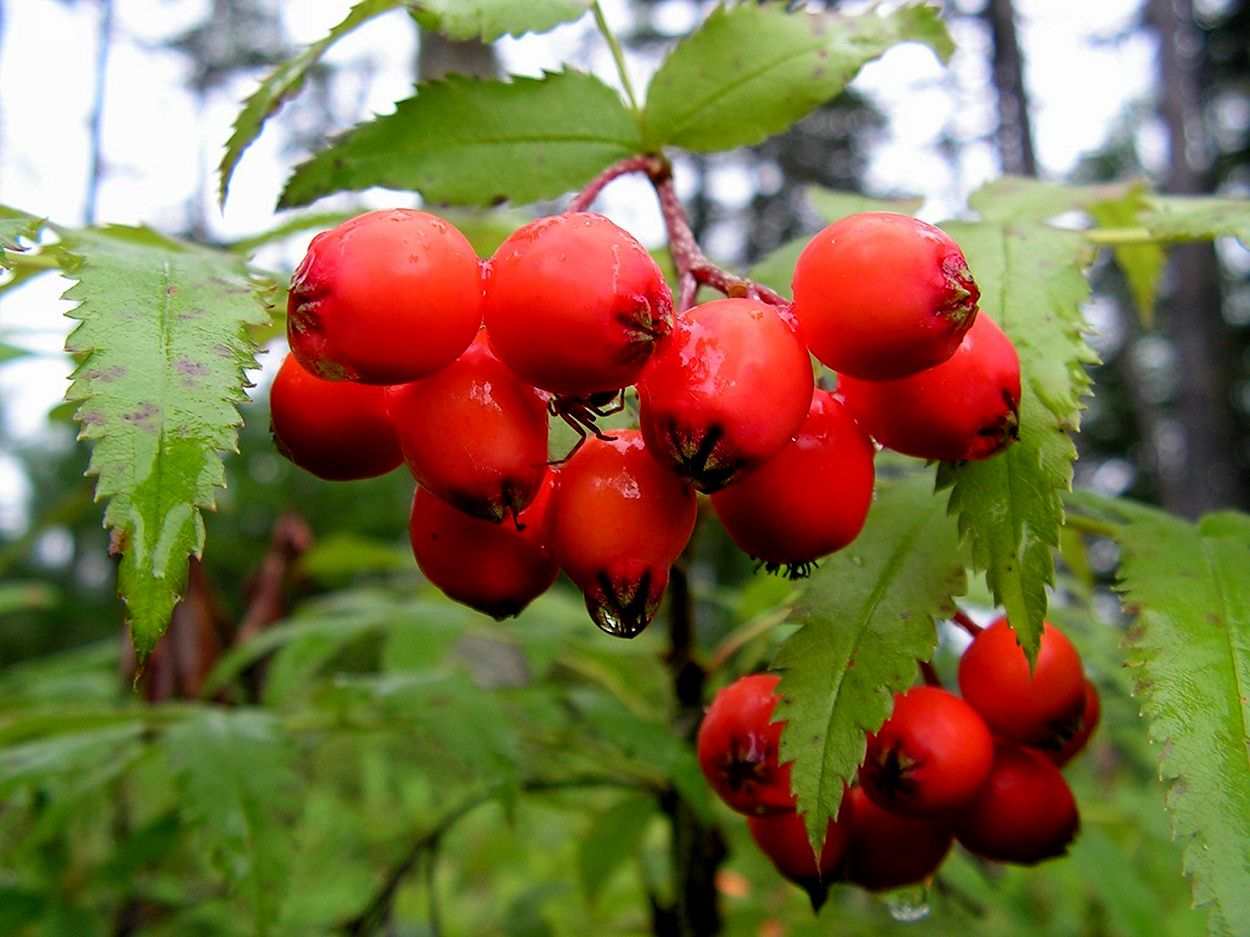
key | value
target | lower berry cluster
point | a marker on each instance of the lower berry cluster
(406, 347)
(981, 770)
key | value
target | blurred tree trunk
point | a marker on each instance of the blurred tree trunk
(1015, 132)
(1208, 474)
(104, 44)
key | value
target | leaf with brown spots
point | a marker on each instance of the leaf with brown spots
(162, 344)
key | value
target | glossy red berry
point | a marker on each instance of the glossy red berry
(783, 838)
(1091, 713)
(1025, 812)
(930, 757)
(725, 391)
(739, 748)
(474, 434)
(880, 295)
(618, 521)
(334, 429)
(963, 409)
(1031, 708)
(575, 305)
(494, 568)
(809, 499)
(387, 297)
(888, 850)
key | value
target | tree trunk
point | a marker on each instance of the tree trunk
(1208, 474)
(1015, 132)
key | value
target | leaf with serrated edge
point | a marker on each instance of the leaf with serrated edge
(1190, 646)
(752, 70)
(867, 616)
(468, 141)
(14, 224)
(1142, 263)
(1184, 218)
(490, 19)
(282, 84)
(239, 788)
(1009, 507)
(161, 335)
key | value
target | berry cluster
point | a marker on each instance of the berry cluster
(406, 347)
(982, 770)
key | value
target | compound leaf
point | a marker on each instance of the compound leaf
(162, 348)
(239, 790)
(1191, 649)
(867, 616)
(752, 70)
(1142, 263)
(1181, 218)
(284, 83)
(490, 19)
(468, 141)
(1010, 507)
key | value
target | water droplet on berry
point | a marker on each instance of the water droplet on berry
(908, 905)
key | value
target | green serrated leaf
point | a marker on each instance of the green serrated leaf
(867, 616)
(284, 83)
(238, 788)
(1182, 218)
(1142, 263)
(468, 141)
(163, 347)
(69, 755)
(1191, 648)
(490, 19)
(752, 70)
(1010, 507)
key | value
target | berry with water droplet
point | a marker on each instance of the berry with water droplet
(618, 521)
(888, 850)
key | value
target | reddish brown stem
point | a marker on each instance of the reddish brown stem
(929, 674)
(967, 623)
(644, 164)
(693, 268)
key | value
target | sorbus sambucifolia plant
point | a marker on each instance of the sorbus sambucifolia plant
(932, 774)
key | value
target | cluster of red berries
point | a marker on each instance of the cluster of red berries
(406, 347)
(982, 770)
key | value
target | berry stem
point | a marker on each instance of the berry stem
(929, 673)
(694, 270)
(970, 626)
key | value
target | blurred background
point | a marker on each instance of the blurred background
(118, 110)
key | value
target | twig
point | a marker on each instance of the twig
(929, 674)
(970, 626)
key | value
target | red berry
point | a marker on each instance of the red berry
(494, 568)
(783, 838)
(574, 304)
(931, 756)
(1030, 708)
(888, 850)
(618, 521)
(334, 429)
(738, 748)
(725, 391)
(474, 434)
(1025, 812)
(881, 295)
(1090, 714)
(963, 409)
(809, 499)
(387, 297)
